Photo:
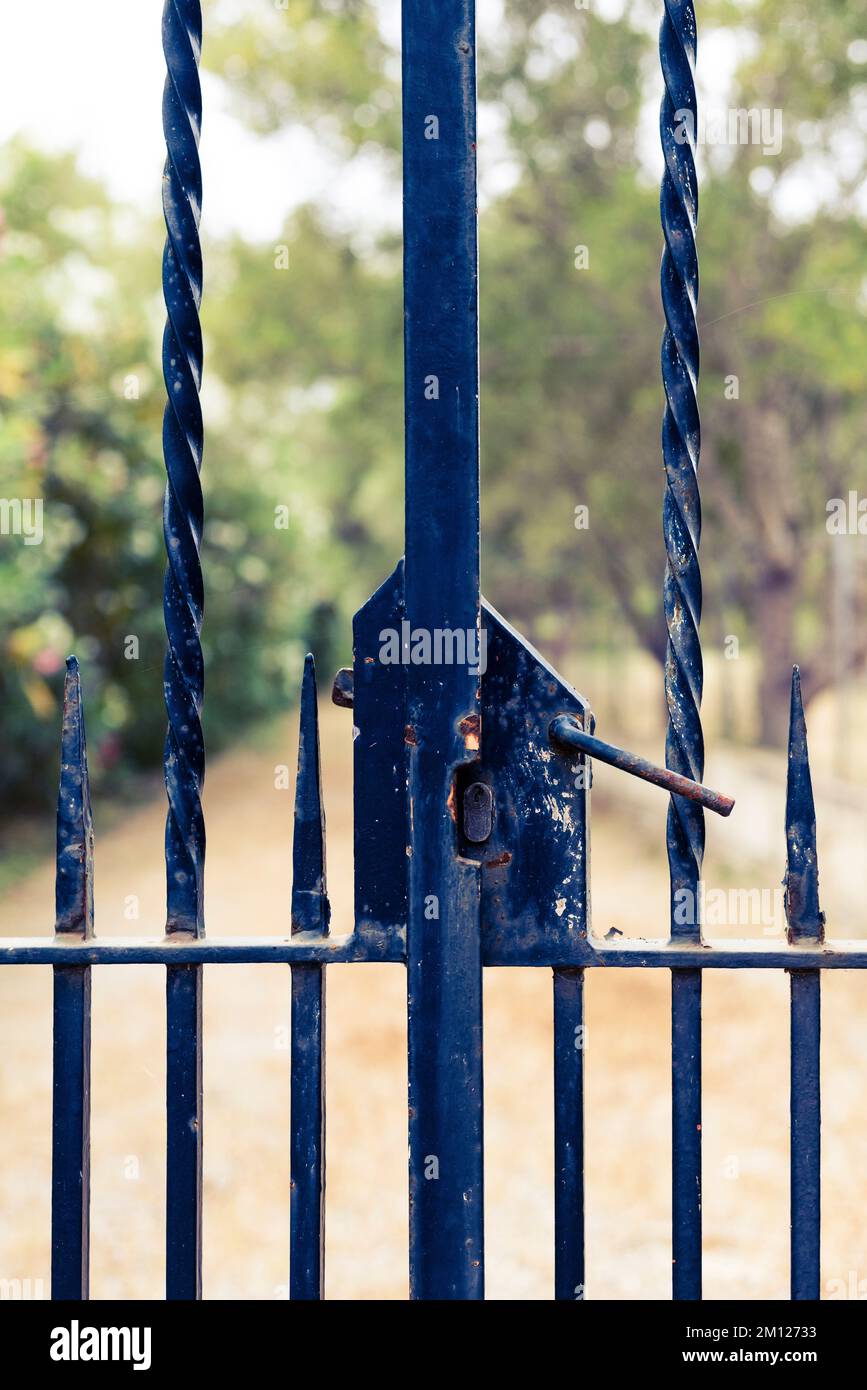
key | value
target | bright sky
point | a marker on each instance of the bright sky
(88, 74)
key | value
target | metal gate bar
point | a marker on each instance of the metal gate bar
(441, 376)
(310, 913)
(70, 1158)
(183, 606)
(184, 1132)
(70, 1144)
(684, 746)
(569, 1043)
(806, 923)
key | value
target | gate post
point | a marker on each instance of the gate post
(444, 986)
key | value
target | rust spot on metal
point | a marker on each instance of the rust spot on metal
(471, 732)
(452, 804)
(504, 858)
(409, 736)
(566, 732)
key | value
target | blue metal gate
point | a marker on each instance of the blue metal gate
(472, 763)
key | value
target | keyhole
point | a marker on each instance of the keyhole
(478, 813)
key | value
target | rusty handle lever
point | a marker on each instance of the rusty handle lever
(567, 733)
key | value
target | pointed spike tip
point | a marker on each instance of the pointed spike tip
(74, 859)
(310, 907)
(803, 915)
(308, 688)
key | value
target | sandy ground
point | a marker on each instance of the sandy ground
(247, 1080)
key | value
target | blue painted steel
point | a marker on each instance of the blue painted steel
(307, 1158)
(70, 1158)
(183, 437)
(184, 1132)
(686, 1133)
(805, 1134)
(74, 875)
(183, 606)
(616, 952)
(805, 919)
(442, 565)
(70, 1149)
(182, 949)
(381, 758)
(310, 912)
(684, 746)
(806, 924)
(569, 1044)
(534, 865)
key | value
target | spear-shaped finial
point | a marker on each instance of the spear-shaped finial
(74, 875)
(805, 920)
(311, 910)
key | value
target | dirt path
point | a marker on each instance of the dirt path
(247, 1084)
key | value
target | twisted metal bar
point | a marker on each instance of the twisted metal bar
(681, 520)
(183, 594)
(684, 747)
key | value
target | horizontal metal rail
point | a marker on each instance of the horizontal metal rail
(626, 952)
(178, 950)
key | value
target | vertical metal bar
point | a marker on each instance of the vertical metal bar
(183, 440)
(307, 1162)
(805, 1139)
(442, 594)
(310, 912)
(70, 1161)
(569, 1045)
(183, 607)
(806, 923)
(73, 886)
(184, 1132)
(686, 1133)
(184, 1118)
(684, 747)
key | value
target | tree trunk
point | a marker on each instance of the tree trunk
(774, 616)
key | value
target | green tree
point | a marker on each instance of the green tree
(303, 371)
(571, 399)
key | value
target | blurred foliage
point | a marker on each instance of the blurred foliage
(303, 372)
